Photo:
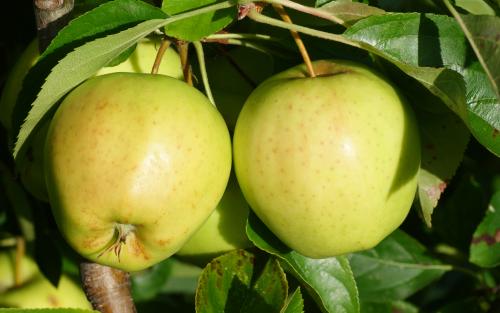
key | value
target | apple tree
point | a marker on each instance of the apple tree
(250, 156)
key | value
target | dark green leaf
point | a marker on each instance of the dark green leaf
(440, 156)
(239, 282)
(485, 246)
(433, 50)
(469, 305)
(200, 26)
(330, 281)
(351, 12)
(395, 269)
(457, 215)
(294, 303)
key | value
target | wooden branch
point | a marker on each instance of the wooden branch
(51, 16)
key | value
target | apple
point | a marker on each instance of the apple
(134, 164)
(329, 163)
(223, 231)
(28, 269)
(31, 168)
(40, 293)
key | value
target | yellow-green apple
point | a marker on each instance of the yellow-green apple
(26, 271)
(31, 168)
(328, 163)
(135, 163)
(40, 293)
(233, 76)
(223, 231)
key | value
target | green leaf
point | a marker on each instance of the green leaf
(433, 50)
(78, 66)
(440, 156)
(200, 26)
(329, 281)
(109, 16)
(233, 283)
(478, 7)
(183, 279)
(294, 303)
(351, 12)
(62, 310)
(395, 269)
(485, 246)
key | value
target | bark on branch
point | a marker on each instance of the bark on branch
(51, 16)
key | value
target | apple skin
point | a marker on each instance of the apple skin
(140, 61)
(40, 293)
(134, 164)
(329, 163)
(223, 231)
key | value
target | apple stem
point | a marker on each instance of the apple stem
(183, 48)
(260, 18)
(298, 41)
(107, 288)
(203, 70)
(165, 43)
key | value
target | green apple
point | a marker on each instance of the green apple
(223, 231)
(40, 293)
(232, 78)
(329, 163)
(135, 163)
(28, 269)
(140, 61)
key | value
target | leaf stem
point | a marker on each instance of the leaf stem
(256, 16)
(183, 48)
(220, 37)
(296, 37)
(165, 43)
(20, 252)
(203, 70)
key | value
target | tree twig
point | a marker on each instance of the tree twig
(51, 16)
(165, 43)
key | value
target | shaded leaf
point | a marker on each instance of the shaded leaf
(197, 27)
(440, 156)
(351, 12)
(294, 303)
(236, 282)
(329, 281)
(485, 245)
(183, 279)
(388, 307)
(395, 269)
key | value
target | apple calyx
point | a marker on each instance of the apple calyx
(119, 238)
